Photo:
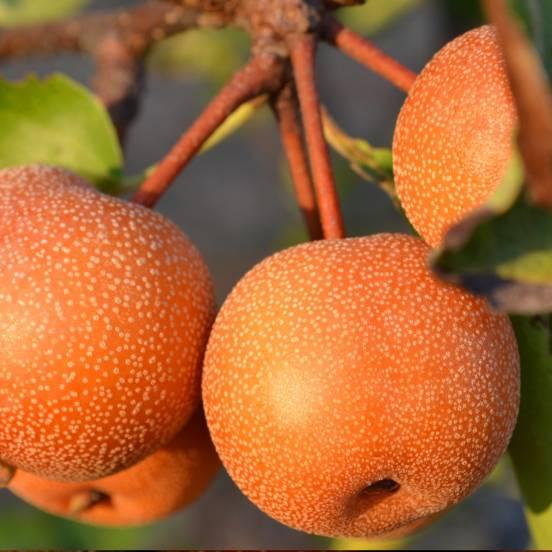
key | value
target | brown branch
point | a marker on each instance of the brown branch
(263, 74)
(214, 12)
(303, 50)
(286, 110)
(363, 51)
(118, 42)
(532, 98)
(118, 82)
(42, 39)
(137, 27)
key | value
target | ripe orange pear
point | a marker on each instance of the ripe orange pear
(163, 483)
(453, 138)
(106, 310)
(350, 393)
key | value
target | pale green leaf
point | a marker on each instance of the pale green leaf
(531, 445)
(57, 121)
(25, 12)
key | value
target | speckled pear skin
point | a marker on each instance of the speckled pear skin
(338, 364)
(161, 484)
(105, 312)
(454, 133)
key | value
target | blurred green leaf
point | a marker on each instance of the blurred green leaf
(375, 15)
(24, 12)
(531, 445)
(290, 235)
(25, 528)
(536, 16)
(57, 121)
(212, 54)
(503, 479)
(464, 14)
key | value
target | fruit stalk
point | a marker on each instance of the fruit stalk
(303, 50)
(365, 53)
(286, 110)
(6, 473)
(85, 500)
(263, 74)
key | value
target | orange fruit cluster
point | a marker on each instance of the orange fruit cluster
(106, 311)
(347, 391)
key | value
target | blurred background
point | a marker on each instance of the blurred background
(235, 203)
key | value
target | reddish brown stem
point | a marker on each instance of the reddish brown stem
(286, 109)
(363, 51)
(303, 50)
(263, 74)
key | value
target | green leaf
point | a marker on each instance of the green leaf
(375, 15)
(57, 121)
(503, 250)
(25, 12)
(536, 16)
(531, 445)
(516, 245)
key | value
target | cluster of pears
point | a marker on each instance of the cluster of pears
(346, 390)
(106, 311)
